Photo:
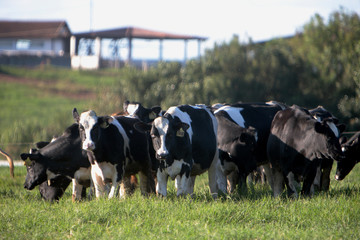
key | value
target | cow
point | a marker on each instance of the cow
(351, 150)
(137, 110)
(246, 115)
(296, 145)
(113, 146)
(56, 189)
(236, 150)
(60, 158)
(10, 161)
(184, 139)
(322, 179)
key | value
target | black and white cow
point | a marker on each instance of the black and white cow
(136, 109)
(295, 147)
(185, 143)
(57, 187)
(60, 158)
(236, 150)
(246, 115)
(351, 149)
(114, 148)
(322, 179)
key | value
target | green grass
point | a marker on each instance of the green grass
(256, 215)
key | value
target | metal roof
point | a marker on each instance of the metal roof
(135, 32)
(34, 29)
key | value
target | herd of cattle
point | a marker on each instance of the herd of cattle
(230, 141)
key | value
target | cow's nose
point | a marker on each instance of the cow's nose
(162, 155)
(89, 146)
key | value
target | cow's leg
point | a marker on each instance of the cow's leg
(125, 187)
(191, 185)
(76, 190)
(184, 185)
(147, 184)
(291, 185)
(113, 185)
(232, 179)
(308, 181)
(161, 186)
(317, 180)
(325, 178)
(269, 174)
(98, 182)
(278, 182)
(217, 178)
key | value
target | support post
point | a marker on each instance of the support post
(130, 50)
(161, 50)
(185, 50)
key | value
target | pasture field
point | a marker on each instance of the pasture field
(255, 215)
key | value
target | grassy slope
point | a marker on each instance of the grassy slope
(39, 103)
(333, 215)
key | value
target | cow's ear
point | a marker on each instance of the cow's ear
(125, 105)
(28, 157)
(76, 115)
(104, 122)
(156, 110)
(142, 127)
(341, 127)
(319, 127)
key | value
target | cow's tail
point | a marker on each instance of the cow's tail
(10, 160)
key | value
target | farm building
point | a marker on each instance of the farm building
(34, 42)
(30, 43)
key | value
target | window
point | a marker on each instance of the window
(23, 44)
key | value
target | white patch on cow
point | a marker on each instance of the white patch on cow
(334, 128)
(132, 108)
(162, 126)
(100, 173)
(234, 113)
(88, 120)
(184, 117)
(174, 169)
(122, 132)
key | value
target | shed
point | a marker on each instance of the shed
(128, 33)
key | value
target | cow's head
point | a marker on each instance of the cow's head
(36, 169)
(169, 136)
(351, 150)
(90, 127)
(146, 115)
(333, 148)
(43, 162)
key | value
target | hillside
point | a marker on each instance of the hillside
(37, 103)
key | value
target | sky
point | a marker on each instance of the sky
(218, 20)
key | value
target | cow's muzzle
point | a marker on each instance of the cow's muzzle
(162, 156)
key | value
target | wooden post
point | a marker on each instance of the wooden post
(161, 50)
(130, 50)
(185, 50)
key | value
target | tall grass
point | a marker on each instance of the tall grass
(256, 215)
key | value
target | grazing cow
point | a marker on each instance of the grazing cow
(322, 179)
(10, 161)
(236, 150)
(351, 149)
(246, 115)
(185, 143)
(113, 146)
(58, 185)
(295, 147)
(135, 109)
(60, 158)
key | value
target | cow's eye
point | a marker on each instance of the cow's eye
(153, 136)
